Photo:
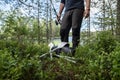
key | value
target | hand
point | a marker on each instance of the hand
(58, 16)
(87, 13)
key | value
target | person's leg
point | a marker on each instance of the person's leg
(65, 27)
(77, 17)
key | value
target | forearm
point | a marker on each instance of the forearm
(88, 4)
(61, 8)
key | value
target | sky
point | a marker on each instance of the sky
(10, 3)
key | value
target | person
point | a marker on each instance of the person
(75, 10)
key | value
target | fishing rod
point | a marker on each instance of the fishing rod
(56, 21)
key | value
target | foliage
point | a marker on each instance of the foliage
(17, 60)
(20, 61)
(105, 42)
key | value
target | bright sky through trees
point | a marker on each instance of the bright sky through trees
(7, 5)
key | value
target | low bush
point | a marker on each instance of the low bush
(98, 60)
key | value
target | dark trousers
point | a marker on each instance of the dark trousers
(71, 19)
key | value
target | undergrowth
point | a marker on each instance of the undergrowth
(98, 60)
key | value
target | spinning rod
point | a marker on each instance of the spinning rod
(56, 21)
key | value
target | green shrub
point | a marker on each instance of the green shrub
(98, 60)
(105, 42)
(21, 61)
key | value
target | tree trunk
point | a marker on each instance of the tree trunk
(38, 22)
(118, 20)
(103, 21)
(47, 25)
(50, 22)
